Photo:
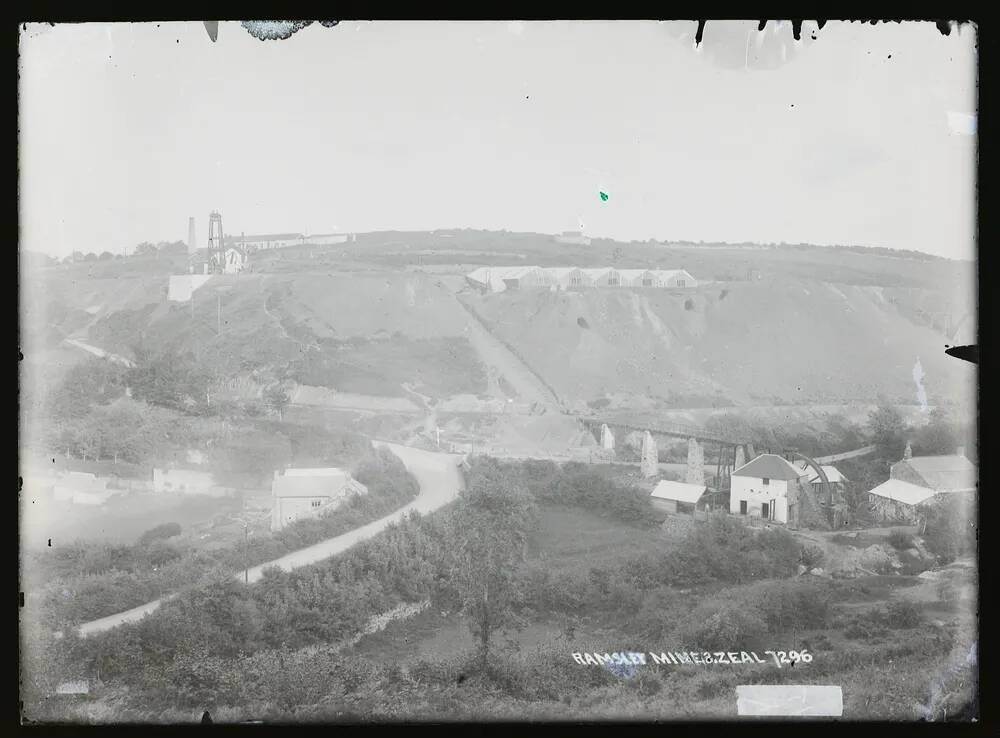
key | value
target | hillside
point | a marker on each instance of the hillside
(379, 317)
(770, 341)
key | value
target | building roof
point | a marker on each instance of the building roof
(679, 491)
(671, 273)
(900, 491)
(264, 237)
(951, 473)
(632, 273)
(560, 271)
(597, 272)
(319, 485)
(328, 471)
(833, 474)
(769, 466)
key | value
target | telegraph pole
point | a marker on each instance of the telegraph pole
(219, 331)
(246, 552)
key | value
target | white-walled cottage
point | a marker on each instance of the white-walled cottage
(301, 493)
(768, 486)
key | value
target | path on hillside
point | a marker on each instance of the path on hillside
(846, 455)
(494, 353)
(440, 481)
(98, 352)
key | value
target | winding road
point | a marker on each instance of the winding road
(440, 482)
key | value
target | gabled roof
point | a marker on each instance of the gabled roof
(769, 466)
(951, 473)
(560, 271)
(325, 471)
(597, 272)
(666, 274)
(679, 491)
(900, 491)
(833, 474)
(321, 485)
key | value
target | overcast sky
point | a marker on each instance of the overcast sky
(129, 129)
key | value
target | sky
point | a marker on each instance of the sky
(861, 136)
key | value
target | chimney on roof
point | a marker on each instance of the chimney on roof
(908, 452)
(960, 451)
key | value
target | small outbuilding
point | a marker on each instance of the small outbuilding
(897, 501)
(678, 497)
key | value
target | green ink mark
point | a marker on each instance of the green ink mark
(604, 197)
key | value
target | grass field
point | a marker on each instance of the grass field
(122, 519)
(573, 540)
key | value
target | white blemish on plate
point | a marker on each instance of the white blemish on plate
(962, 124)
(774, 700)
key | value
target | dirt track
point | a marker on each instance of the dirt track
(440, 481)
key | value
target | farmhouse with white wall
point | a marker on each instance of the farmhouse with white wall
(302, 493)
(768, 486)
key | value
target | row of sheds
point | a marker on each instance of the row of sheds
(500, 278)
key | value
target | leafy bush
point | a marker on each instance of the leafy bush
(950, 528)
(869, 627)
(812, 556)
(160, 532)
(724, 549)
(727, 628)
(689, 304)
(902, 614)
(900, 540)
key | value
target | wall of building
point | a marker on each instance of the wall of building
(287, 510)
(904, 472)
(886, 510)
(190, 481)
(667, 506)
(755, 493)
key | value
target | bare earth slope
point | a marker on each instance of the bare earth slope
(738, 343)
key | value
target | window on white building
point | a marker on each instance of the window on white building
(317, 503)
(766, 481)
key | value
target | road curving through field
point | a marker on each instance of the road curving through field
(440, 481)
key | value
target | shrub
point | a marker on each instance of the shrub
(868, 627)
(160, 532)
(689, 304)
(903, 614)
(900, 540)
(812, 556)
(950, 529)
(731, 627)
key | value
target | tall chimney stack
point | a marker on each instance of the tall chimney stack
(192, 243)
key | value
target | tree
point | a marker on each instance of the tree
(950, 528)
(93, 382)
(91, 256)
(888, 431)
(492, 524)
(938, 436)
(106, 255)
(168, 379)
(145, 249)
(276, 398)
